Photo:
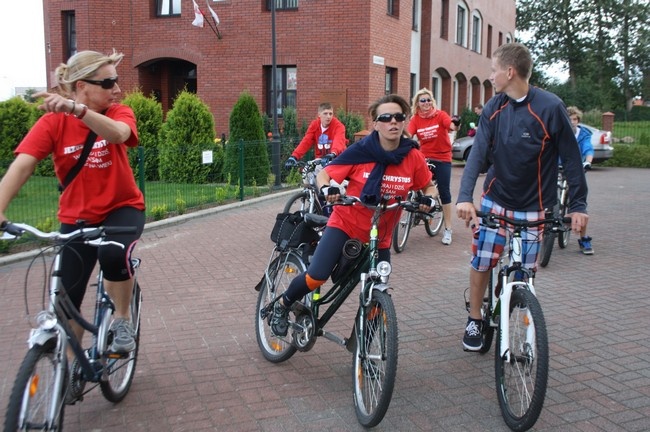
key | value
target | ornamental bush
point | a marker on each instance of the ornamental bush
(247, 131)
(184, 136)
(149, 116)
(16, 119)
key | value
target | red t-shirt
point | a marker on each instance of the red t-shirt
(330, 140)
(106, 180)
(411, 174)
(433, 135)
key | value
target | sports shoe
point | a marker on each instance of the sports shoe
(473, 341)
(123, 340)
(585, 245)
(280, 319)
(446, 237)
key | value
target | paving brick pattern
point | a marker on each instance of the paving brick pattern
(200, 368)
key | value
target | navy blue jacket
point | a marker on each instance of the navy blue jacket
(520, 142)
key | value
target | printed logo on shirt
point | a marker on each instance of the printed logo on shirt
(324, 142)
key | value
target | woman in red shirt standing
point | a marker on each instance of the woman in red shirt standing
(431, 126)
(103, 192)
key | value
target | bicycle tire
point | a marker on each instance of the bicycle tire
(402, 230)
(375, 364)
(281, 273)
(122, 370)
(34, 390)
(564, 236)
(433, 223)
(546, 246)
(301, 201)
(521, 383)
(487, 332)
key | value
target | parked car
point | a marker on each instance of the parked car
(600, 139)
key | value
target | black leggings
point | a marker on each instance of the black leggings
(322, 263)
(78, 260)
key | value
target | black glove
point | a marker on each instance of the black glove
(330, 190)
(328, 158)
(426, 200)
(586, 165)
(455, 120)
(290, 163)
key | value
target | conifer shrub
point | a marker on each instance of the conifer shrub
(184, 136)
(247, 128)
(149, 117)
(16, 119)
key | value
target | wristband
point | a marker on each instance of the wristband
(84, 110)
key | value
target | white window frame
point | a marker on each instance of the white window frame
(462, 24)
(477, 32)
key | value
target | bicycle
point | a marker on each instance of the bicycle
(373, 339)
(521, 350)
(550, 231)
(44, 383)
(306, 200)
(432, 220)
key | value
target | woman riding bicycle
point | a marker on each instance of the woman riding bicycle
(86, 114)
(383, 163)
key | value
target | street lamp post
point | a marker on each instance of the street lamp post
(275, 141)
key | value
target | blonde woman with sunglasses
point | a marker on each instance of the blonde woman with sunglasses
(431, 126)
(85, 112)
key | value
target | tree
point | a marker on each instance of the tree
(149, 116)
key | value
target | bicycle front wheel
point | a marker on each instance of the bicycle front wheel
(121, 369)
(521, 382)
(303, 201)
(281, 272)
(37, 399)
(375, 360)
(402, 230)
(433, 223)
(546, 246)
(564, 236)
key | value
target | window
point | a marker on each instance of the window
(168, 7)
(70, 33)
(414, 85)
(391, 80)
(393, 8)
(444, 20)
(489, 42)
(416, 15)
(282, 4)
(286, 79)
(461, 25)
(477, 29)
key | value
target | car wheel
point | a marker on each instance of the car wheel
(466, 154)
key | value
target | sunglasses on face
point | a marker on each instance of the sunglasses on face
(106, 83)
(423, 100)
(386, 118)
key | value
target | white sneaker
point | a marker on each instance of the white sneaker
(446, 237)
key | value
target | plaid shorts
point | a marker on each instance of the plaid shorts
(488, 243)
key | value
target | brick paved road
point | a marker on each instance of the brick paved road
(200, 368)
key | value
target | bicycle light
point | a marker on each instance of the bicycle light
(46, 320)
(384, 268)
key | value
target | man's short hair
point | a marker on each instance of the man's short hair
(517, 56)
(324, 106)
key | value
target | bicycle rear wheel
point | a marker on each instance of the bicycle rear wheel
(35, 403)
(402, 230)
(521, 382)
(433, 223)
(375, 360)
(546, 246)
(303, 201)
(564, 236)
(281, 272)
(121, 369)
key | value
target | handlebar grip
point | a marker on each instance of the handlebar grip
(120, 230)
(10, 228)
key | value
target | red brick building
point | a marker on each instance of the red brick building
(345, 52)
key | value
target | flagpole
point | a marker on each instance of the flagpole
(274, 104)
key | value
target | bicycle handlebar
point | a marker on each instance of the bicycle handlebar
(490, 219)
(91, 236)
(407, 205)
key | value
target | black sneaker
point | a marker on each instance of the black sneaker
(473, 340)
(280, 319)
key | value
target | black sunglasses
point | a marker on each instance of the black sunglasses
(425, 100)
(106, 83)
(386, 118)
